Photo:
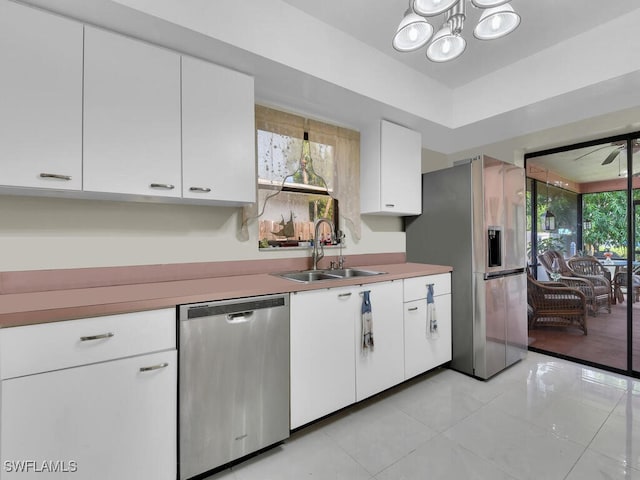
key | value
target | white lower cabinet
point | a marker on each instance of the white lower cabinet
(322, 356)
(105, 420)
(329, 367)
(382, 366)
(423, 348)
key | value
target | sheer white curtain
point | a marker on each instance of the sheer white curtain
(346, 175)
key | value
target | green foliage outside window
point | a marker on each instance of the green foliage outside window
(607, 212)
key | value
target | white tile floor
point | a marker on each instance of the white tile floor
(542, 419)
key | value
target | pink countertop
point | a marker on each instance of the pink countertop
(50, 306)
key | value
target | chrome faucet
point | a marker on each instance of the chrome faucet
(315, 255)
(340, 236)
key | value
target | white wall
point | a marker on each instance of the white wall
(577, 63)
(50, 233)
(432, 161)
(513, 149)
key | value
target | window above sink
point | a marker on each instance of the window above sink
(306, 170)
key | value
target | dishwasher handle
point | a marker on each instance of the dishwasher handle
(239, 317)
(229, 309)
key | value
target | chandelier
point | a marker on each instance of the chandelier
(497, 20)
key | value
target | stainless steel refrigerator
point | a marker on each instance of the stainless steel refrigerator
(473, 218)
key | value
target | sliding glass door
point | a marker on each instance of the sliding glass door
(633, 153)
(584, 206)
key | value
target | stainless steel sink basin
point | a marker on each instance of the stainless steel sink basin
(354, 272)
(307, 276)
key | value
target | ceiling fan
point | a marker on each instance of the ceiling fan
(613, 155)
(618, 147)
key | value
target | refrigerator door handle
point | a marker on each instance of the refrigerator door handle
(504, 273)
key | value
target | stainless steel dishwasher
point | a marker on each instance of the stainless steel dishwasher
(233, 380)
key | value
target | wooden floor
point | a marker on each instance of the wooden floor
(605, 343)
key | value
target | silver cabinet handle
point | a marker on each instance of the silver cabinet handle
(166, 186)
(200, 189)
(390, 205)
(154, 367)
(96, 337)
(412, 309)
(56, 176)
(340, 295)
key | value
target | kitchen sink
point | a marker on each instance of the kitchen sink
(307, 276)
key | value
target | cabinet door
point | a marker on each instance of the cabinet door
(41, 112)
(441, 345)
(110, 419)
(424, 351)
(416, 338)
(400, 170)
(382, 366)
(131, 116)
(322, 353)
(218, 133)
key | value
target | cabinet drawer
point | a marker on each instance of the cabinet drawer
(416, 288)
(52, 346)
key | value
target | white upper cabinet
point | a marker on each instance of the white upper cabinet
(41, 106)
(131, 116)
(390, 170)
(109, 116)
(218, 134)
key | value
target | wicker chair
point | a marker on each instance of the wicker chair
(596, 289)
(553, 304)
(620, 282)
(588, 266)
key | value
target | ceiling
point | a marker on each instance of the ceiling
(585, 165)
(544, 24)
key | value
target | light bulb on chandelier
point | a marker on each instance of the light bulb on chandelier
(413, 32)
(446, 45)
(496, 23)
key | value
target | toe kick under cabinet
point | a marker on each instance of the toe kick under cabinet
(91, 398)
